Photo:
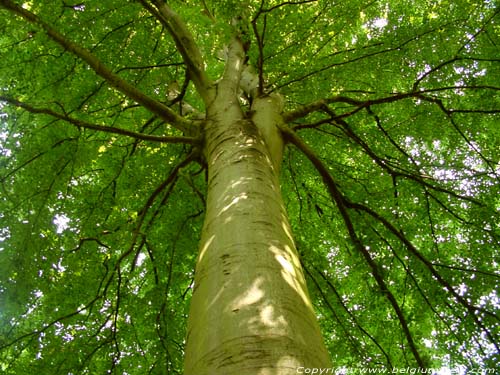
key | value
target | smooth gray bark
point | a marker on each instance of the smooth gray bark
(250, 311)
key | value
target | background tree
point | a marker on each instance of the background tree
(390, 177)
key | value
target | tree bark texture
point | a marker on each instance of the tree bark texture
(250, 311)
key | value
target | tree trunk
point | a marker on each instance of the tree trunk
(250, 311)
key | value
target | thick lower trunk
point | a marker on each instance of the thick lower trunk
(250, 311)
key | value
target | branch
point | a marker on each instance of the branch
(349, 312)
(407, 269)
(449, 113)
(306, 109)
(185, 44)
(343, 205)
(107, 129)
(419, 177)
(170, 180)
(340, 201)
(46, 326)
(398, 47)
(207, 11)
(346, 332)
(321, 104)
(433, 70)
(260, 46)
(471, 309)
(103, 71)
(229, 85)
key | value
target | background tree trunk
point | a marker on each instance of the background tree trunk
(250, 311)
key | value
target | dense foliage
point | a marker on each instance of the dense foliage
(397, 218)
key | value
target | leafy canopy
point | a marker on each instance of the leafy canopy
(101, 207)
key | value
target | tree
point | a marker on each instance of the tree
(132, 131)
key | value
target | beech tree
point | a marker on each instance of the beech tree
(249, 187)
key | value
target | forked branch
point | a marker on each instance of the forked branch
(340, 201)
(343, 205)
(322, 104)
(107, 129)
(141, 215)
(185, 44)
